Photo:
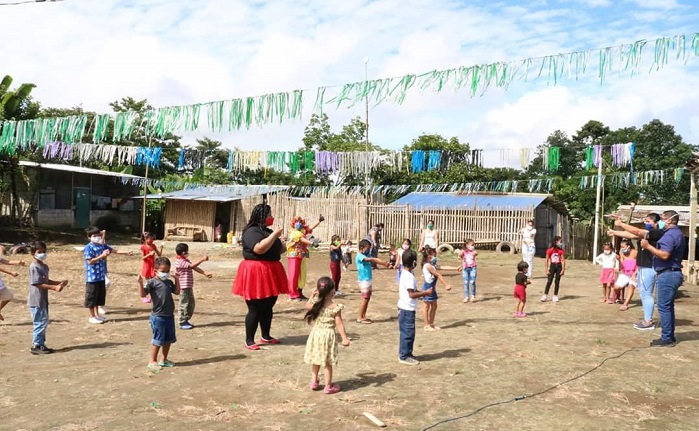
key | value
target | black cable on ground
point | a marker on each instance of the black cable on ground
(521, 397)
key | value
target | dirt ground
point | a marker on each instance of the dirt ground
(97, 379)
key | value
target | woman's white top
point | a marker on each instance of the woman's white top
(430, 238)
(528, 235)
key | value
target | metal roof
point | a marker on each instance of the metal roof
(216, 193)
(77, 169)
(420, 200)
(641, 211)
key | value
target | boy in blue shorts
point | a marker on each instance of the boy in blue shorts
(364, 276)
(162, 319)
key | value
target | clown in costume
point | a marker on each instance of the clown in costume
(297, 253)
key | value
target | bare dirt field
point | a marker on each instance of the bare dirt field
(98, 380)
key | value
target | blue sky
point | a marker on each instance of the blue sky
(182, 52)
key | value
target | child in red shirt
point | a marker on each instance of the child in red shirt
(520, 293)
(555, 268)
(149, 251)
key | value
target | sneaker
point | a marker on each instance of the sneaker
(339, 293)
(466, 300)
(102, 318)
(544, 298)
(644, 326)
(95, 321)
(409, 361)
(662, 343)
(554, 299)
(186, 325)
(101, 311)
(40, 350)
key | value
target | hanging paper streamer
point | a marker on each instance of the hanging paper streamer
(251, 111)
(417, 163)
(589, 158)
(553, 155)
(434, 161)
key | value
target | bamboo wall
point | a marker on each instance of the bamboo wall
(454, 226)
(198, 214)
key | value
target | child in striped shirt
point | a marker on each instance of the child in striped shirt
(184, 269)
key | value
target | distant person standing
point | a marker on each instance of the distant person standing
(528, 246)
(429, 236)
(374, 238)
(667, 262)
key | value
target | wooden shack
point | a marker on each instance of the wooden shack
(486, 218)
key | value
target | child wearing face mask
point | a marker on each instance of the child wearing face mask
(149, 251)
(610, 267)
(335, 261)
(162, 318)
(431, 275)
(627, 276)
(38, 302)
(346, 249)
(95, 254)
(184, 270)
(468, 255)
(555, 268)
(405, 246)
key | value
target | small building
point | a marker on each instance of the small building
(193, 214)
(63, 196)
(486, 218)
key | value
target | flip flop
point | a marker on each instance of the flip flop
(365, 321)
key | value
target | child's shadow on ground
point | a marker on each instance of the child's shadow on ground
(453, 353)
(31, 323)
(91, 346)
(363, 380)
(459, 323)
(220, 324)
(211, 360)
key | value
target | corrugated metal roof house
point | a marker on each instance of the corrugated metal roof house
(489, 217)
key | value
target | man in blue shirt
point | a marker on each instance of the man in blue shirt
(667, 263)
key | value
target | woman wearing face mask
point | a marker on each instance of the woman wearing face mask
(260, 277)
(528, 246)
(627, 277)
(429, 237)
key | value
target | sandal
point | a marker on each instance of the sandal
(365, 321)
(332, 389)
(624, 307)
(314, 385)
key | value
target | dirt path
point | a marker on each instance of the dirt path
(97, 380)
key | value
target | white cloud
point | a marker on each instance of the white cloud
(179, 52)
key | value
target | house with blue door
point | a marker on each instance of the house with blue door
(58, 196)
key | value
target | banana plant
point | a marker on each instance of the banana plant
(10, 101)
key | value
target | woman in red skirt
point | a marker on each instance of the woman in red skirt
(261, 277)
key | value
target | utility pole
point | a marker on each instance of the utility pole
(366, 133)
(597, 209)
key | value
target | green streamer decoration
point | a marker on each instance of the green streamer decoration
(101, 127)
(589, 158)
(553, 157)
(278, 107)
